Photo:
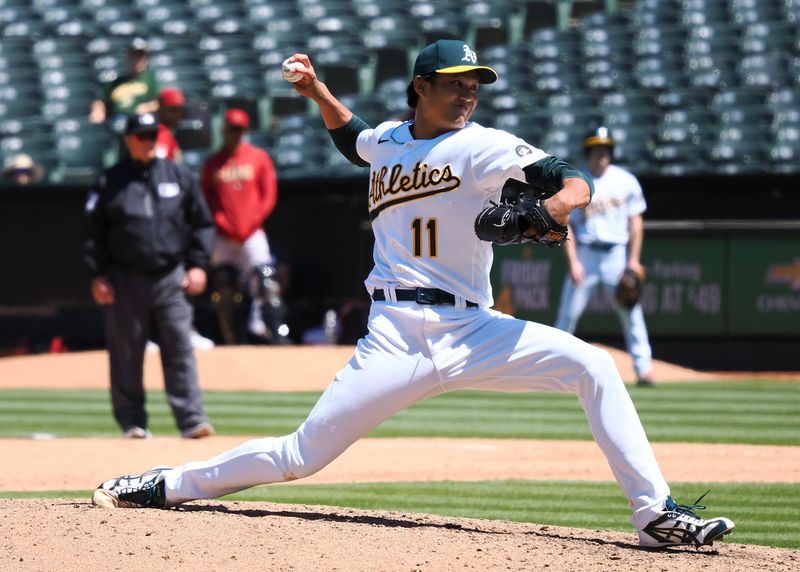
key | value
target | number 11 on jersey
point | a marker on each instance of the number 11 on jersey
(430, 226)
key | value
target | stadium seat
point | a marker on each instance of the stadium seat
(711, 71)
(606, 75)
(393, 95)
(742, 96)
(784, 99)
(683, 98)
(490, 23)
(564, 142)
(24, 126)
(31, 143)
(343, 67)
(57, 109)
(771, 70)
(523, 123)
(284, 34)
(206, 14)
(194, 159)
(265, 12)
(786, 118)
(19, 107)
(679, 158)
(640, 117)
(663, 79)
(551, 44)
(194, 128)
(264, 139)
(696, 118)
(439, 27)
(538, 14)
(626, 99)
(736, 157)
(655, 41)
(339, 165)
(369, 107)
(81, 159)
(791, 11)
(785, 158)
(750, 116)
(180, 76)
(390, 38)
(552, 76)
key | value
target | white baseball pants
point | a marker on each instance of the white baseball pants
(413, 352)
(244, 255)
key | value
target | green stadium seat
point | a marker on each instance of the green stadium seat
(784, 157)
(787, 98)
(392, 92)
(712, 72)
(194, 159)
(772, 70)
(687, 98)
(82, 159)
(659, 40)
(22, 126)
(520, 122)
(280, 33)
(19, 107)
(81, 126)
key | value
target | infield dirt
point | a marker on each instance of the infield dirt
(70, 534)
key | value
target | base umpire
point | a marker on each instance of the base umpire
(148, 245)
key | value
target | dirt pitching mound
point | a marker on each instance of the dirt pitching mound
(68, 535)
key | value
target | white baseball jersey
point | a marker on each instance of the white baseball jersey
(617, 197)
(423, 199)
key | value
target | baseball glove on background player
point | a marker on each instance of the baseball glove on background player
(506, 223)
(629, 288)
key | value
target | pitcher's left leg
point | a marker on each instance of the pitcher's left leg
(506, 354)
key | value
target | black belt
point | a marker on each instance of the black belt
(600, 245)
(424, 296)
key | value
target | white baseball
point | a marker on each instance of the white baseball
(288, 69)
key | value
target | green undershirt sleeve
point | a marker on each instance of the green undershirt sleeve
(549, 174)
(345, 137)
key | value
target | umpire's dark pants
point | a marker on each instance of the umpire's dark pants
(143, 300)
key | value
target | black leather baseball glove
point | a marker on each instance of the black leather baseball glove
(507, 223)
(629, 288)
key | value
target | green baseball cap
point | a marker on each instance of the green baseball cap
(451, 56)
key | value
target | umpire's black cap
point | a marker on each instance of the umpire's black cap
(144, 123)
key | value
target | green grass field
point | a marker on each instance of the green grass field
(752, 412)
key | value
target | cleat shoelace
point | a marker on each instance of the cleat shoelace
(688, 509)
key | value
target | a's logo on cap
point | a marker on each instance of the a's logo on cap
(602, 132)
(148, 119)
(469, 55)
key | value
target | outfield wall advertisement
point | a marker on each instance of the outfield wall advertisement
(695, 286)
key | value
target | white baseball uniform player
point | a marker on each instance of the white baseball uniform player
(431, 329)
(603, 246)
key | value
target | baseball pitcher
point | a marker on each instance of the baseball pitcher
(436, 207)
